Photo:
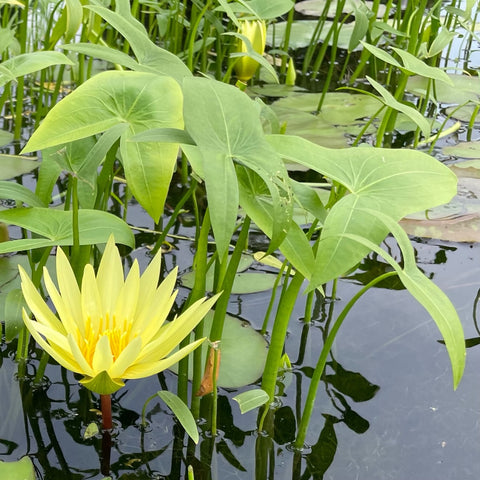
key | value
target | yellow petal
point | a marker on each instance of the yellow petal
(174, 332)
(91, 301)
(149, 278)
(62, 356)
(145, 369)
(155, 316)
(102, 357)
(68, 288)
(127, 299)
(63, 311)
(84, 366)
(159, 300)
(110, 275)
(126, 358)
(37, 305)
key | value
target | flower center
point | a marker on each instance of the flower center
(119, 335)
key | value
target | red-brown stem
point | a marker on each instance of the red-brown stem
(106, 405)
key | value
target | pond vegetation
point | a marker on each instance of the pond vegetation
(266, 151)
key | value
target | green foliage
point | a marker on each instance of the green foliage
(134, 120)
(20, 470)
(56, 228)
(140, 100)
(251, 399)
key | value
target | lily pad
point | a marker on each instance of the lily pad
(465, 89)
(243, 353)
(464, 150)
(467, 168)
(457, 221)
(302, 32)
(244, 283)
(12, 166)
(342, 115)
(464, 113)
(274, 90)
(314, 8)
(337, 109)
(311, 127)
(248, 282)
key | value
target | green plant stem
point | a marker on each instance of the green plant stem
(273, 295)
(286, 40)
(198, 291)
(320, 367)
(174, 216)
(215, 392)
(41, 368)
(308, 307)
(22, 350)
(279, 332)
(227, 283)
(193, 34)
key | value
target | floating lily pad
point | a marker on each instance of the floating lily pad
(15, 165)
(5, 137)
(314, 8)
(467, 168)
(311, 127)
(337, 109)
(274, 90)
(243, 353)
(302, 32)
(342, 115)
(459, 220)
(464, 113)
(465, 89)
(244, 283)
(464, 150)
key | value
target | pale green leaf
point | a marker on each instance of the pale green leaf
(251, 399)
(395, 181)
(15, 165)
(90, 431)
(112, 98)
(182, 412)
(149, 56)
(19, 193)
(392, 102)
(20, 470)
(14, 303)
(426, 292)
(56, 226)
(419, 67)
(225, 124)
(27, 63)
(243, 353)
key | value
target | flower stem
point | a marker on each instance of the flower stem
(106, 406)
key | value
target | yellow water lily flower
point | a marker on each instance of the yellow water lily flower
(256, 32)
(113, 328)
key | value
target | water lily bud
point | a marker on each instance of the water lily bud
(291, 73)
(256, 32)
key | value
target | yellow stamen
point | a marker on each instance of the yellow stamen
(119, 336)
